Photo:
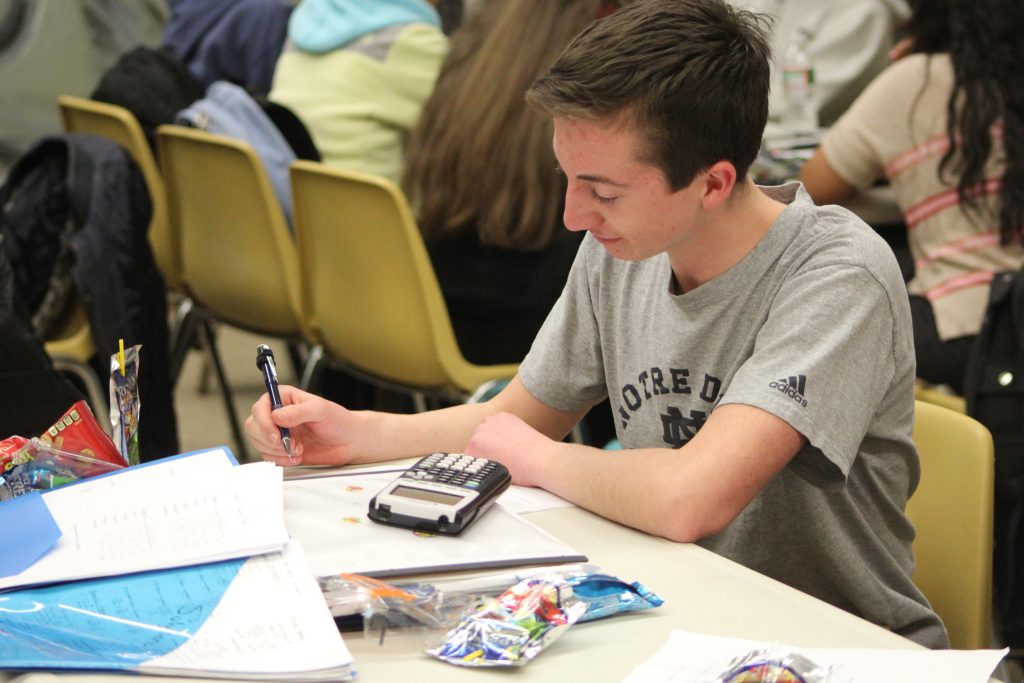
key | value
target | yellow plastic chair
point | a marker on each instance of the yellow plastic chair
(80, 115)
(116, 123)
(369, 292)
(952, 511)
(940, 396)
(239, 262)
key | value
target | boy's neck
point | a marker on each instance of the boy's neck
(728, 235)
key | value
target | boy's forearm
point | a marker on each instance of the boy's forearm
(389, 436)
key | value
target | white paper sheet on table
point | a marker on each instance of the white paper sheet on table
(328, 515)
(172, 513)
(690, 657)
(523, 499)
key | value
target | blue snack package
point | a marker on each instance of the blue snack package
(606, 595)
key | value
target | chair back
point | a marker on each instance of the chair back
(80, 115)
(238, 259)
(368, 286)
(952, 511)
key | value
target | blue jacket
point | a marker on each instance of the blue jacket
(228, 110)
(228, 40)
(325, 25)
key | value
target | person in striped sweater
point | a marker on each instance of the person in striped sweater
(942, 125)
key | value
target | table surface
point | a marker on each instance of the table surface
(702, 592)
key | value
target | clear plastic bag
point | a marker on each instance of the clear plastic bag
(41, 467)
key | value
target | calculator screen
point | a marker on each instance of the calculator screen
(428, 496)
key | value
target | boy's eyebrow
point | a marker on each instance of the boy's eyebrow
(593, 178)
(600, 179)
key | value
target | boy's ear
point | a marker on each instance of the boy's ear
(719, 181)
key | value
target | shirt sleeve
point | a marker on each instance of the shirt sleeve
(856, 146)
(565, 366)
(823, 362)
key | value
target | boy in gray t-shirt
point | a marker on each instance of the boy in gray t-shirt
(811, 326)
(756, 349)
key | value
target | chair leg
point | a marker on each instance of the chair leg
(241, 451)
(183, 335)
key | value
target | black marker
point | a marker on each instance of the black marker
(265, 362)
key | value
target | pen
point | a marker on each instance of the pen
(265, 362)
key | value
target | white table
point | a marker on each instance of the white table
(702, 591)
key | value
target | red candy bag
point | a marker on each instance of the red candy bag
(77, 431)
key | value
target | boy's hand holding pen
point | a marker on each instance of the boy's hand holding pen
(265, 362)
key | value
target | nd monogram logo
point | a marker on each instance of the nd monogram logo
(677, 429)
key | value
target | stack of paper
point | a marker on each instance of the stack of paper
(262, 618)
(180, 597)
(179, 512)
(328, 515)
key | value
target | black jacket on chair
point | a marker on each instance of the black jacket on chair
(80, 200)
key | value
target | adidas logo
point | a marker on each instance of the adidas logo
(792, 386)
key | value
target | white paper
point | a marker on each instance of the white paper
(690, 657)
(180, 512)
(271, 621)
(328, 515)
(524, 499)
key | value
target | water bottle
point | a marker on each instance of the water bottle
(800, 108)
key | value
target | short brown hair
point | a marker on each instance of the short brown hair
(691, 76)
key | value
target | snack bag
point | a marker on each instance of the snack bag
(77, 431)
(124, 402)
(772, 666)
(606, 595)
(514, 628)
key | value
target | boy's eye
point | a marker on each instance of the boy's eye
(601, 198)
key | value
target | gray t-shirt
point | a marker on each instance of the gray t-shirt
(813, 326)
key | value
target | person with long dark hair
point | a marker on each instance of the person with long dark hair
(484, 181)
(943, 126)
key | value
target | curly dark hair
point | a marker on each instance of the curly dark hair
(986, 47)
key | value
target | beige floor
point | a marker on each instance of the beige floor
(202, 419)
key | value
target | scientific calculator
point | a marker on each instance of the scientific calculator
(442, 493)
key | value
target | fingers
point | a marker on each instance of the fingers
(265, 435)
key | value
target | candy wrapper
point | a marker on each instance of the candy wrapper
(771, 666)
(78, 432)
(124, 402)
(513, 628)
(11, 452)
(38, 466)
